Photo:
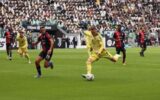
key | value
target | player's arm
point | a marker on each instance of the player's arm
(140, 37)
(88, 45)
(4, 35)
(88, 42)
(51, 44)
(115, 37)
(38, 40)
(25, 43)
(86, 33)
(17, 37)
(101, 45)
(35, 43)
(124, 36)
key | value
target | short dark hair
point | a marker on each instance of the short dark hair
(141, 28)
(92, 27)
(119, 26)
(42, 27)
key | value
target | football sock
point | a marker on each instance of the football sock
(27, 56)
(143, 50)
(10, 53)
(109, 54)
(124, 57)
(39, 70)
(89, 68)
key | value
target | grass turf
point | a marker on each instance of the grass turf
(138, 80)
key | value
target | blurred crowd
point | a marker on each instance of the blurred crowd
(75, 15)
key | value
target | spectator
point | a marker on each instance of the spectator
(75, 41)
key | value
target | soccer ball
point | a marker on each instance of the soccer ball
(90, 77)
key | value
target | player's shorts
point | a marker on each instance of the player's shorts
(104, 53)
(143, 44)
(8, 46)
(45, 56)
(23, 50)
(119, 49)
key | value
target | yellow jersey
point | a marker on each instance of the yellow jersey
(94, 42)
(23, 43)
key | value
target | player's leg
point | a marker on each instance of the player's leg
(47, 62)
(7, 50)
(144, 48)
(37, 63)
(124, 56)
(10, 52)
(28, 57)
(20, 52)
(118, 50)
(25, 52)
(106, 54)
(141, 52)
(89, 62)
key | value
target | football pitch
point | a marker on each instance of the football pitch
(138, 80)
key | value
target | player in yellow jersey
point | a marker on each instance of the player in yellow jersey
(96, 50)
(23, 45)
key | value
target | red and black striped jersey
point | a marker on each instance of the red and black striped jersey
(45, 41)
(119, 38)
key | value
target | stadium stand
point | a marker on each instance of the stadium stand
(75, 15)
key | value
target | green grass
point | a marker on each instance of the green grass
(138, 80)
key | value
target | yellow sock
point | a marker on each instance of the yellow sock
(89, 68)
(27, 56)
(109, 54)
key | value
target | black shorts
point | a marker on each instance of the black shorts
(8, 46)
(119, 49)
(143, 45)
(45, 56)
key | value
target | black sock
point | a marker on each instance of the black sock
(10, 54)
(141, 51)
(124, 57)
(39, 70)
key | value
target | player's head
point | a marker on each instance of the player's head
(118, 27)
(43, 30)
(150, 31)
(21, 33)
(9, 29)
(142, 28)
(93, 30)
